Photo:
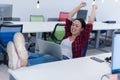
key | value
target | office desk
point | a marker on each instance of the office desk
(103, 26)
(73, 69)
(30, 27)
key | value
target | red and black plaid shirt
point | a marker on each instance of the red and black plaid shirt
(80, 41)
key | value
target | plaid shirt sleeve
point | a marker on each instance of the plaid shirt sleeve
(67, 28)
(80, 41)
(86, 33)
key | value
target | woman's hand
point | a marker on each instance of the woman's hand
(92, 16)
(83, 4)
(94, 7)
(75, 10)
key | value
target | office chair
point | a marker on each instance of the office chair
(84, 51)
(82, 14)
(7, 32)
(63, 16)
(36, 18)
(39, 18)
(58, 33)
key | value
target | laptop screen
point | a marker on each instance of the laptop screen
(50, 48)
(116, 53)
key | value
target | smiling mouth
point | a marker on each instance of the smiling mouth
(73, 30)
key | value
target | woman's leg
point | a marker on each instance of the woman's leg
(32, 55)
(13, 60)
(43, 58)
(23, 54)
(19, 43)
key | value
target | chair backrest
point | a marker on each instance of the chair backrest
(82, 14)
(58, 33)
(37, 18)
(84, 51)
(7, 32)
(63, 16)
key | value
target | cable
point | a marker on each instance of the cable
(108, 59)
(105, 75)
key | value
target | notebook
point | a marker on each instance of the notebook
(116, 54)
(50, 48)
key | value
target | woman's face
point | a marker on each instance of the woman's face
(76, 27)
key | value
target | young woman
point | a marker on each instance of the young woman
(76, 36)
(77, 33)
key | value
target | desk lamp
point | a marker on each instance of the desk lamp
(93, 2)
(38, 4)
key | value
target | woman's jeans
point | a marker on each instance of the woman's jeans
(38, 58)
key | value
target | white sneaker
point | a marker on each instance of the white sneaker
(14, 61)
(19, 42)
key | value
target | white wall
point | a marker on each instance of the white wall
(51, 8)
(109, 10)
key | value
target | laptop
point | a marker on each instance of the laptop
(82, 14)
(50, 48)
(116, 54)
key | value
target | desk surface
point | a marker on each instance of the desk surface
(73, 69)
(105, 26)
(29, 27)
(49, 26)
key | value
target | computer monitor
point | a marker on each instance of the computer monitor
(6, 12)
(82, 14)
(116, 53)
